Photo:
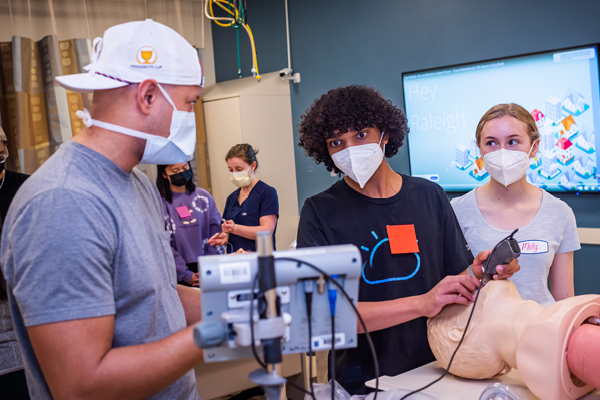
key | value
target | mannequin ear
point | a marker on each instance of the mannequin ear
(455, 333)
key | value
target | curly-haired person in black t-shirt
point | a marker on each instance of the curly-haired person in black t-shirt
(415, 257)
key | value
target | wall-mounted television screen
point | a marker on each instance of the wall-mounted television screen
(559, 88)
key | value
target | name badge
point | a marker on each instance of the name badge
(403, 239)
(183, 212)
(533, 246)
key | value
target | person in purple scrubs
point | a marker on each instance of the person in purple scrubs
(191, 216)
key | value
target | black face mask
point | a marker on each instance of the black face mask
(2, 164)
(181, 178)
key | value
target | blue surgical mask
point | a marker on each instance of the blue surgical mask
(177, 148)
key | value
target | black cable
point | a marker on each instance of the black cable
(360, 319)
(260, 362)
(459, 343)
(332, 357)
(483, 272)
(308, 300)
(256, 357)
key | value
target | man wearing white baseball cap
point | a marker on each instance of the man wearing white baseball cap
(88, 263)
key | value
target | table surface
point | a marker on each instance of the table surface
(454, 388)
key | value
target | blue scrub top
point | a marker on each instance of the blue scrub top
(261, 201)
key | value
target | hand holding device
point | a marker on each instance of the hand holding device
(221, 238)
(503, 254)
(228, 226)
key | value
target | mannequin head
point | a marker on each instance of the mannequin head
(507, 331)
(490, 344)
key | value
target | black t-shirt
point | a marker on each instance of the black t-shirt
(341, 215)
(12, 183)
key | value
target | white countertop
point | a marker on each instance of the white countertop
(454, 388)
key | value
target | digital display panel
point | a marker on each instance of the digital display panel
(559, 88)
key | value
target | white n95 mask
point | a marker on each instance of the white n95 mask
(359, 163)
(506, 166)
(177, 148)
(241, 178)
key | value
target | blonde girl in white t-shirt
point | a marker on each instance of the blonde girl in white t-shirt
(507, 136)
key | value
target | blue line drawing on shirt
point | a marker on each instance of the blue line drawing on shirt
(395, 279)
(374, 235)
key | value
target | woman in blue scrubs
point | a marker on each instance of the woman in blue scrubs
(253, 207)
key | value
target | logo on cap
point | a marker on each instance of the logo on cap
(146, 55)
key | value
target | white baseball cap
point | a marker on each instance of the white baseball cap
(133, 52)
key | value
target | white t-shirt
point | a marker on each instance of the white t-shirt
(552, 231)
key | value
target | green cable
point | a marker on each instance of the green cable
(237, 28)
(238, 53)
(236, 24)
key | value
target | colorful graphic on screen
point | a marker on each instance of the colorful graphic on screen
(561, 91)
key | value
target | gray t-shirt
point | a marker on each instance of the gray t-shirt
(84, 239)
(552, 231)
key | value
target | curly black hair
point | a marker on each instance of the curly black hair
(345, 109)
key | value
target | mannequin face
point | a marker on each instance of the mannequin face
(481, 354)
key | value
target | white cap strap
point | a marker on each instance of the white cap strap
(167, 96)
(85, 117)
(88, 121)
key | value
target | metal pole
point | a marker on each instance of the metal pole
(267, 286)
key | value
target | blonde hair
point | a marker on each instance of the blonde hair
(514, 110)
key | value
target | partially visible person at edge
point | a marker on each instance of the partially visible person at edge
(253, 207)
(508, 138)
(9, 181)
(191, 216)
(352, 130)
(13, 383)
(91, 277)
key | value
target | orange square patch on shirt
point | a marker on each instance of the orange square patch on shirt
(403, 239)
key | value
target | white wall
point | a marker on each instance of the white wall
(244, 111)
(223, 123)
(267, 123)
